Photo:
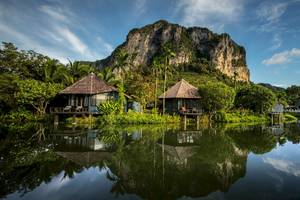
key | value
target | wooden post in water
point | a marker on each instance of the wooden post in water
(90, 119)
(271, 118)
(56, 119)
(183, 121)
(198, 122)
(74, 119)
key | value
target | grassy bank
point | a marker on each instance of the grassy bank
(240, 116)
(138, 118)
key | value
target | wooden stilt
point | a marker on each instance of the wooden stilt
(74, 119)
(198, 122)
(90, 121)
(183, 121)
(272, 119)
(56, 119)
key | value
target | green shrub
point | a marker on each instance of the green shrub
(20, 116)
(108, 107)
(289, 118)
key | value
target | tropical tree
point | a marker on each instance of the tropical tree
(215, 97)
(121, 91)
(8, 88)
(156, 70)
(55, 72)
(121, 64)
(9, 58)
(293, 94)
(36, 93)
(78, 70)
(108, 76)
(167, 54)
(256, 98)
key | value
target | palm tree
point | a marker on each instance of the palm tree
(78, 69)
(55, 72)
(64, 75)
(120, 66)
(108, 76)
(156, 69)
(166, 55)
(49, 70)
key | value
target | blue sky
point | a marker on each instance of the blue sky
(91, 29)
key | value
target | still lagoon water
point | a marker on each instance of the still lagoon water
(150, 162)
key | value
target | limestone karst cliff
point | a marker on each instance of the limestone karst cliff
(191, 45)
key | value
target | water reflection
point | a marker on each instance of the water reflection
(148, 162)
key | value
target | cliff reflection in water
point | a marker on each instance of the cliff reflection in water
(150, 162)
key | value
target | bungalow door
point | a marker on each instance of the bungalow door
(181, 103)
(79, 101)
(71, 100)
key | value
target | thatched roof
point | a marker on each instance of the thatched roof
(90, 84)
(182, 89)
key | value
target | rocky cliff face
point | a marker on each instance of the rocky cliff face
(190, 45)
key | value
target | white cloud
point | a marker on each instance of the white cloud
(277, 42)
(73, 40)
(286, 166)
(56, 13)
(282, 57)
(59, 31)
(140, 6)
(12, 32)
(25, 42)
(271, 12)
(107, 47)
(213, 14)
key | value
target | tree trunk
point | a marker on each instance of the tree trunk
(210, 114)
(155, 102)
(165, 82)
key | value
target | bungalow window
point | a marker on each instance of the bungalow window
(86, 101)
(93, 100)
(71, 100)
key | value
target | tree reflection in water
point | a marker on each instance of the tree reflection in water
(151, 162)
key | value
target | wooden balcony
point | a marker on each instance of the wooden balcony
(292, 110)
(70, 110)
(190, 111)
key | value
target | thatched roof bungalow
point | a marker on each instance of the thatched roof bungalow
(84, 95)
(89, 85)
(181, 97)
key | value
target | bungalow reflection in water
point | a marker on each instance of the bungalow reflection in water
(78, 141)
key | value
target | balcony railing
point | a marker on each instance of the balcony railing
(292, 110)
(70, 110)
(191, 111)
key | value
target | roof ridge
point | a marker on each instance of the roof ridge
(182, 89)
(181, 82)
